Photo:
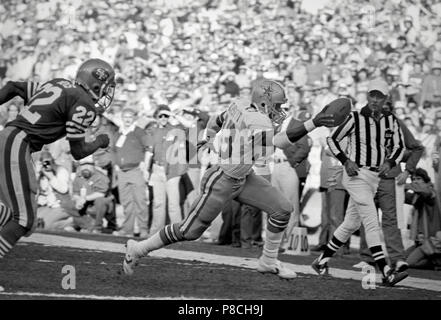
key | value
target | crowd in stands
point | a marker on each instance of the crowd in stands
(183, 61)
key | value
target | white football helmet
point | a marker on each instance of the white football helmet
(268, 96)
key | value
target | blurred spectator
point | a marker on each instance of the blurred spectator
(154, 47)
(428, 137)
(284, 175)
(337, 199)
(3, 69)
(431, 87)
(436, 157)
(60, 150)
(229, 233)
(247, 231)
(301, 166)
(426, 255)
(243, 79)
(132, 158)
(103, 158)
(315, 69)
(89, 194)
(420, 193)
(250, 227)
(194, 132)
(228, 81)
(54, 182)
(167, 143)
(42, 68)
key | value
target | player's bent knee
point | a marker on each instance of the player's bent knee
(285, 209)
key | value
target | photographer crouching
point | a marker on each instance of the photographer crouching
(426, 225)
(53, 183)
(90, 197)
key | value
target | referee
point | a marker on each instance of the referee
(375, 146)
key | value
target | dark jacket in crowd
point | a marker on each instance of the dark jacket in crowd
(297, 154)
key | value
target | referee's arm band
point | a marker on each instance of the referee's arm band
(342, 157)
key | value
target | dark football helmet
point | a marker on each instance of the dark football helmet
(97, 77)
(268, 96)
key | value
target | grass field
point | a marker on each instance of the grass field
(192, 270)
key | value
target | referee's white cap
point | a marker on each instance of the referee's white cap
(379, 85)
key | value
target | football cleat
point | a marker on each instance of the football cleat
(393, 277)
(276, 268)
(321, 269)
(130, 259)
(401, 266)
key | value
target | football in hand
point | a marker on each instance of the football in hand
(340, 108)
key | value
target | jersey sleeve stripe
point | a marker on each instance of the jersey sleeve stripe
(29, 90)
(75, 136)
(74, 130)
(35, 87)
(75, 125)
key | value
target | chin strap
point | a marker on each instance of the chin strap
(90, 92)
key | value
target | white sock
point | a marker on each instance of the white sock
(271, 247)
(386, 270)
(323, 260)
(155, 242)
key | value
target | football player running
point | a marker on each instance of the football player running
(246, 129)
(52, 110)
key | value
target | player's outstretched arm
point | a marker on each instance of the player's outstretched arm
(286, 138)
(11, 90)
(81, 149)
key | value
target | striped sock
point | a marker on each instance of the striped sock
(9, 235)
(276, 226)
(271, 247)
(380, 259)
(5, 247)
(5, 214)
(331, 248)
(168, 235)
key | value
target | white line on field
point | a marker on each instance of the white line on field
(250, 263)
(90, 296)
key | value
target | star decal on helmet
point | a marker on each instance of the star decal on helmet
(267, 91)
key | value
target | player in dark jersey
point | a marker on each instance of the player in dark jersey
(52, 110)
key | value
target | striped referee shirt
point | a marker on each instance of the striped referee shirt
(370, 142)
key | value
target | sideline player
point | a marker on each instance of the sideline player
(234, 178)
(52, 110)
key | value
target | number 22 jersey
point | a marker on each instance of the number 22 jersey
(53, 110)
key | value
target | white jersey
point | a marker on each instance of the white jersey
(245, 139)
